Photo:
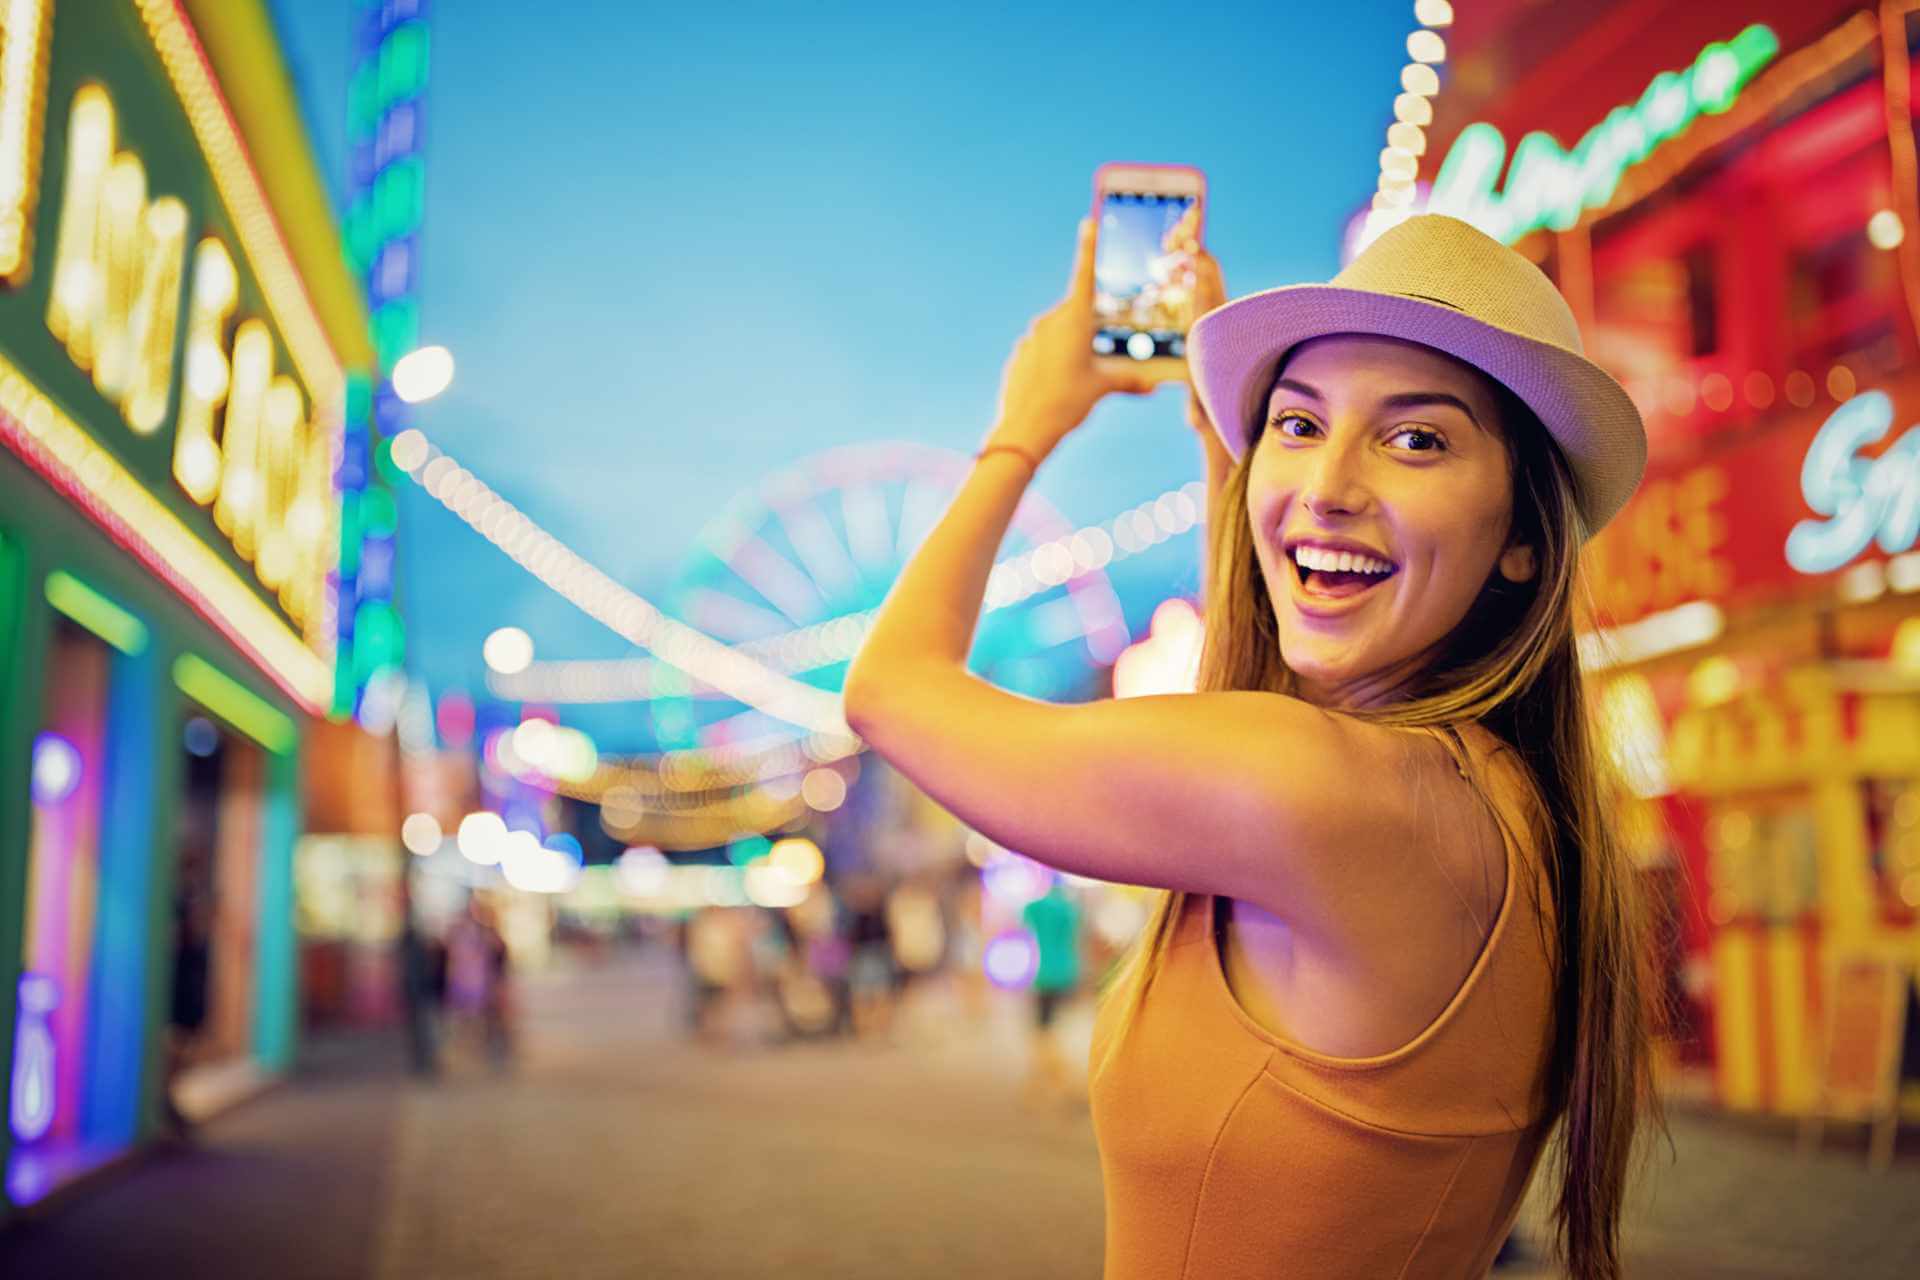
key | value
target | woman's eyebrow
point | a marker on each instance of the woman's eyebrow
(1394, 403)
(1421, 399)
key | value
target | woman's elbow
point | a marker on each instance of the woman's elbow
(861, 698)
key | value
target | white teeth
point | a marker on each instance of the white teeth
(1311, 557)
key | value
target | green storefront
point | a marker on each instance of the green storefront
(179, 333)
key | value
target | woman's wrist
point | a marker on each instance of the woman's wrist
(1022, 434)
(1015, 452)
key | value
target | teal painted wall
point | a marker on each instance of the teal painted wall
(276, 978)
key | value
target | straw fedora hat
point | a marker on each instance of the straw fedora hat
(1437, 281)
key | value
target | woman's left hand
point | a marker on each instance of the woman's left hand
(1052, 380)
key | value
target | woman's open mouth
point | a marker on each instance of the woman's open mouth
(1338, 575)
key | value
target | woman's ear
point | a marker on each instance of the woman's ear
(1517, 563)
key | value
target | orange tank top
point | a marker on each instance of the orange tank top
(1227, 1151)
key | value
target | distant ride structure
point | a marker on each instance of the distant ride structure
(792, 569)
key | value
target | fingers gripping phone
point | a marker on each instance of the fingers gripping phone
(1148, 219)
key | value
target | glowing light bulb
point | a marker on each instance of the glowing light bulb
(1885, 230)
(409, 450)
(1426, 46)
(508, 650)
(799, 859)
(1411, 108)
(480, 838)
(824, 790)
(423, 374)
(1410, 138)
(421, 833)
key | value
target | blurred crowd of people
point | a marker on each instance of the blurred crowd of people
(853, 957)
(460, 990)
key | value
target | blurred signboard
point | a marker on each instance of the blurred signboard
(1773, 515)
(1860, 1052)
(161, 360)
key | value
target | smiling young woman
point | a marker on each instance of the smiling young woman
(1399, 943)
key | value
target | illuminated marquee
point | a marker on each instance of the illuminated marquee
(127, 278)
(23, 85)
(115, 303)
(1548, 186)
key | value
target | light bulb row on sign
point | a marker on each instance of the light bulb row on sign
(1394, 197)
(1680, 395)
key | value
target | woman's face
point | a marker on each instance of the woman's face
(1380, 499)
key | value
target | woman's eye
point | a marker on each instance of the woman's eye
(1292, 424)
(1419, 441)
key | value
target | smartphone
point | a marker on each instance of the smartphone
(1148, 219)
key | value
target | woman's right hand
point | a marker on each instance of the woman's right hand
(1051, 381)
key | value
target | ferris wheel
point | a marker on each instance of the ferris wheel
(792, 570)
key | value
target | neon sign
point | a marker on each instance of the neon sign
(35, 1058)
(119, 266)
(101, 264)
(1865, 499)
(1548, 186)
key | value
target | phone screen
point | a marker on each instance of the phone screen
(1143, 274)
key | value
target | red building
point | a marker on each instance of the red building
(1727, 195)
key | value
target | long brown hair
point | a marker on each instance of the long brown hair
(1511, 666)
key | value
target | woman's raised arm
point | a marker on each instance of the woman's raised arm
(1209, 291)
(1254, 795)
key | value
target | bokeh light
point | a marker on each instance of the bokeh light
(509, 650)
(1011, 960)
(769, 886)
(799, 859)
(823, 789)
(1015, 880)
(481, 837)
(56, 768)
(533, 866)
(200, 737)
(642, 872)
(1885, 230)
(422, 374)
(748, 849)
(421, 833)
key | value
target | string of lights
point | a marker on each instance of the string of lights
(606, 601)
(1395, 198)
(1013, 580)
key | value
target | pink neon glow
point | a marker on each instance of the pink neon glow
(1012, 959)
(63, 868)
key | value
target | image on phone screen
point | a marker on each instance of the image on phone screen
(1143, 274)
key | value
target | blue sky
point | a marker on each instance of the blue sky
(675, 248)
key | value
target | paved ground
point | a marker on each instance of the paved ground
(616, 1149)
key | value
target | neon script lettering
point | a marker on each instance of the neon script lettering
(1548, 186)
(1865, 499)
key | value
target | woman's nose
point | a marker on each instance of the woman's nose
(1333, 484)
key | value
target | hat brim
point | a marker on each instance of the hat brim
(1233, 351)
